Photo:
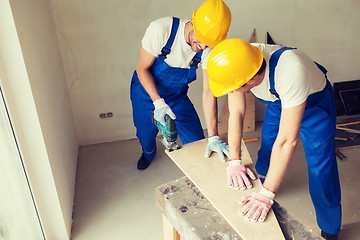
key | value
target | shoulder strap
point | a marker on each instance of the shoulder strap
(272, 64)
(196, 60)
(167, 48)
(321, 68)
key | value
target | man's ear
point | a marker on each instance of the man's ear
(251, 81)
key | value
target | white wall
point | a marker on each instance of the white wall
(18, 218)
(99, 42)
(35, 89)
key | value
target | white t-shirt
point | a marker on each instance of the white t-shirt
(156, 37)
(296, 77)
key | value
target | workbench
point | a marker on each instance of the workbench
(199, 206)
(188, 215)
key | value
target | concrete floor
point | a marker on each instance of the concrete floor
(115, 201)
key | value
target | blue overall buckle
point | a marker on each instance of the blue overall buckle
(195, 61)
(274, 93)
(164, 52)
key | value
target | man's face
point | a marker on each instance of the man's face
(255, 81)
(195, 44)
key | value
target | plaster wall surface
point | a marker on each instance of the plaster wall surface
(99, 43)
(33, 82)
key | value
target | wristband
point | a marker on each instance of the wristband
(234, 162)
(266, 192)
(213, 138)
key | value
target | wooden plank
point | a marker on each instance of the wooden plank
(194, 217)
(190, 213)
(341, 135)
(347, 124)
(253, 36)
(209, 176)
(169, 231)
(351, 128)
(339, 154)
(249, 121)
(350, 143)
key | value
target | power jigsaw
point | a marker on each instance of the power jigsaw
(168, 132)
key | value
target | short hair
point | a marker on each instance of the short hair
(262, 68)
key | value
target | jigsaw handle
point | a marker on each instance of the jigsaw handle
(169, 130)
(171, 133)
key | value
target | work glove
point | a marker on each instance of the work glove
(238, 175)
(257, 205)
(161, 109)
(217, 145)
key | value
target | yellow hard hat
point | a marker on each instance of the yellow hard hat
(211, 22)
(231, 64)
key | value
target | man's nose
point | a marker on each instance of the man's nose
(203, 46)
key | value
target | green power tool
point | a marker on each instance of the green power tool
(168, 132)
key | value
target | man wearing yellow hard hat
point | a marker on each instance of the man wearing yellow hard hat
(300, 102)
(170, 52)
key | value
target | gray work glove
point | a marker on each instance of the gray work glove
(217, 145)
(161, 109)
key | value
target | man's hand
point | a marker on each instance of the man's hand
(161, 109)
(238, 175)
(257, 205)
(217, 145)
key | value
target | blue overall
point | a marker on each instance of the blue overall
(172, 85)
(318, 136)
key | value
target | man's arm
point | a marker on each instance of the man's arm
(215, 144)
(238, 174)
(143, 71)
(257, 205)
(284, 146)
(237, 107)
(209, 103)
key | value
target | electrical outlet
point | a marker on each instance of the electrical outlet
(106, 115)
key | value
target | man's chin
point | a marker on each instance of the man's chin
(195, 49)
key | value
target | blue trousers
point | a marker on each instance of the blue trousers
(318, 136)
(187, 121)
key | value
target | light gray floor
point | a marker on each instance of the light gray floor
(114, 200)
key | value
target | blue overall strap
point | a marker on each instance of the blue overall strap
(196, 60)
(167, 48)
(321, 68)
(272, 64)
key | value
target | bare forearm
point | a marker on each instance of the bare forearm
(209, 102)
(281, 156)
(284, 146)
(143, 65)
(147, 81)
(235, 136)
(237, 107)
(210, 113)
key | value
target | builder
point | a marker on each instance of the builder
(170, 52)
(299, 101)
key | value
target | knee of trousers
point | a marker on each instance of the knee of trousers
(325, 188)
